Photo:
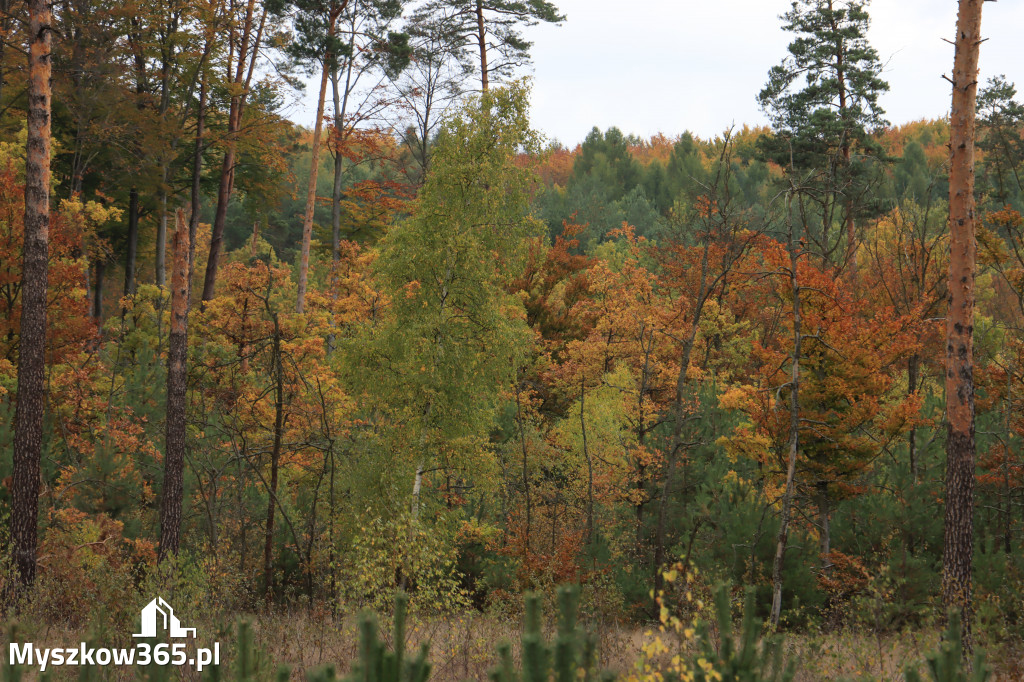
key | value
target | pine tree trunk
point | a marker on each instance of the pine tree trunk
(958, 536)
(242, 77)
(307, 223)
(177, 382)
(481, 37)
(339, 121)
(28, 419)
(227, 181)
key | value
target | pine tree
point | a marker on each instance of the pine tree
(822, 101)
(958, 536)
(28, 419)
(493, 28)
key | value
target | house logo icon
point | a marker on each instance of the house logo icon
(159, 610)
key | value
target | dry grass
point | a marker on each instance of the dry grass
(462, 647)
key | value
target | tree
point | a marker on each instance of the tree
(311, 21)
(1000, 120)
(822, 101)
(433, 84)
(455, 334)
(492, 28)
(246, 32)
(372, 50)
(958, 535)
(177, 378)
(28, 433)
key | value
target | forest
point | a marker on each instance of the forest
(742, 408)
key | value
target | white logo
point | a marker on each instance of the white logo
(142, 654)
(170, 622)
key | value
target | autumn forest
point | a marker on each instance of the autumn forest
(408, 374)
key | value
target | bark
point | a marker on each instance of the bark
(177, 381)
(481, 37)
(307, 222)
(224, 189)
(28, 419)
(782, 537)
(275, 459)
(958, 536)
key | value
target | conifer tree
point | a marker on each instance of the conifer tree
(493, 29)
(822, 101)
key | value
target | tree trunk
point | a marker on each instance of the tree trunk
(526, 470)
(481, 37)
(177, 381)
(275, 459)
(913, 365)
(340, 111)
(958, 536)
(851, 231)
(133, 242)
(161, 236)
(824, 526)
(782, 538)
(339, 162)
(241, 77)
(590, 463)
(28, 418)
(196, 194)
(307, 223)
(99, 270)
(227, 180)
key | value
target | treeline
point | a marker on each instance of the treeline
(484, 365)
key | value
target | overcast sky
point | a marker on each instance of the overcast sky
(650, 66)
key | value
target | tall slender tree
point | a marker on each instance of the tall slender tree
(247, 32)
(958, 535)
(28, 420)
(329, 17)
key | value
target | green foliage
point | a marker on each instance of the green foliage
(376, 663)
(743, 656)
(454, 336)
(571, 653)
(947, 664)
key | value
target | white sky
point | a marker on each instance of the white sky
(650, 66)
